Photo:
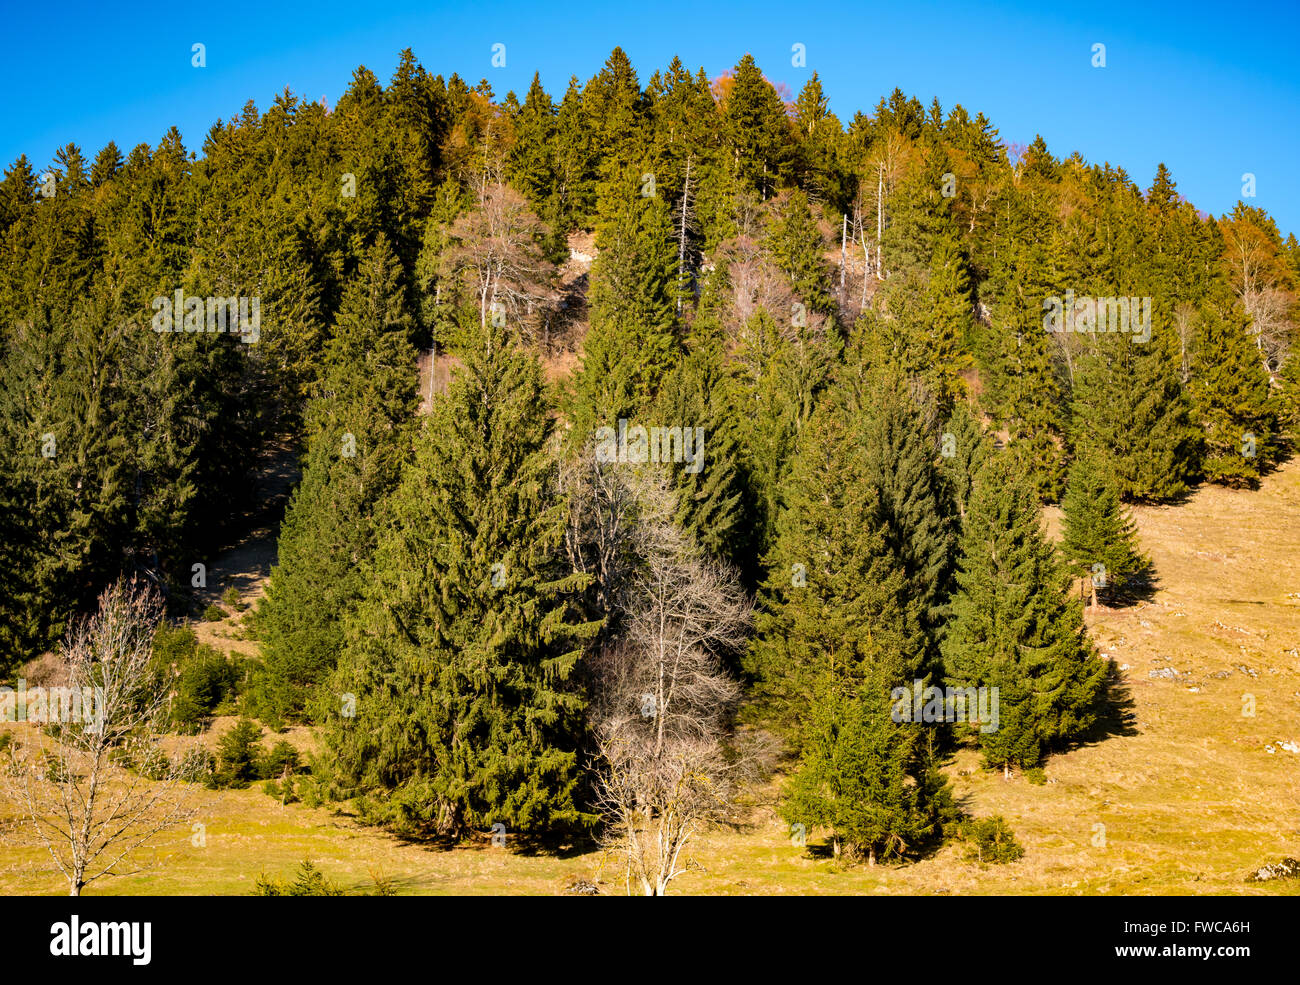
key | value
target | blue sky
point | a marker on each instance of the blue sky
(1211, 89)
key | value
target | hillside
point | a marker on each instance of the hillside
(1193, 795)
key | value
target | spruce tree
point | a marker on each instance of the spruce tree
(835, 601)
(360, 425)
(1014, 625)
(1127, 398)
(632, 339)
(963, 448)
(858, 778)
(699, 393)
(1232, 400)
(900, 443)
(462, 653)
(1100, 542)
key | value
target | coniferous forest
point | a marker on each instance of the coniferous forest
(630, 457)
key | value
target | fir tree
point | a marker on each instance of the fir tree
(359, 420)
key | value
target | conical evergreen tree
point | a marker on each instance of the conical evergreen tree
(963, 448)
(834, 605)
(633, 309)
(1014, 625)
(1231, 399)
(900, 444)
(859, 777)
(1127, 398)
(1100, 542)
(699, 393)
(360, 430)
(460, 656)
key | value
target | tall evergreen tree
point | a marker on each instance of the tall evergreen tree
(1014, 625)
(1232, 400)
(1100, 541)
(359, 421)
(462, 653)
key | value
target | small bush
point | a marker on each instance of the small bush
(1036, 776)
(281, 761)
(310, 881)
(232, 599)
(214, 613)
(239, 755)
(989, 840)
(203, 682)
(285, 791)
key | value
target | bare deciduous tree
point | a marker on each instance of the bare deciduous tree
(69, 783)
(663, 707)
(496, 251)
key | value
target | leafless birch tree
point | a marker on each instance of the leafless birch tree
(70, 783)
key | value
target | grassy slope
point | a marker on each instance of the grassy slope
(1191, 800)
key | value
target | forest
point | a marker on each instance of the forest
(650, 439)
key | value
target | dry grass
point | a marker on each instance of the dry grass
(1191, 799)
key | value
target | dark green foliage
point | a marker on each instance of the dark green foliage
(1014, 626)
(461, 651)
(1127, 399)
(360, 415)
(239, 755)
(855, 779)
(989, 840)
(1099, 540)
(204, 682)
(835, 598)
(964, 455)
(1232, 401)
(700, 392)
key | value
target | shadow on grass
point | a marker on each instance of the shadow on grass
(1117, 714)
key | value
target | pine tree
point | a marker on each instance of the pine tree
(461, 654)
(756, 130)
(901, 443)
(1127, 399)
(858, 776)
(699, 393)
(1100, 540)
(1014, 625)
(632, 340)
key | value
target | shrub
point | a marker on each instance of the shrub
(281, 761)
(1036, 776)
(204, 683)
(990, 840)
(232, 599)
(239, 755)
(214, 613)
(310, 881)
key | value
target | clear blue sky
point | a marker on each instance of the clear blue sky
(1211, 89)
